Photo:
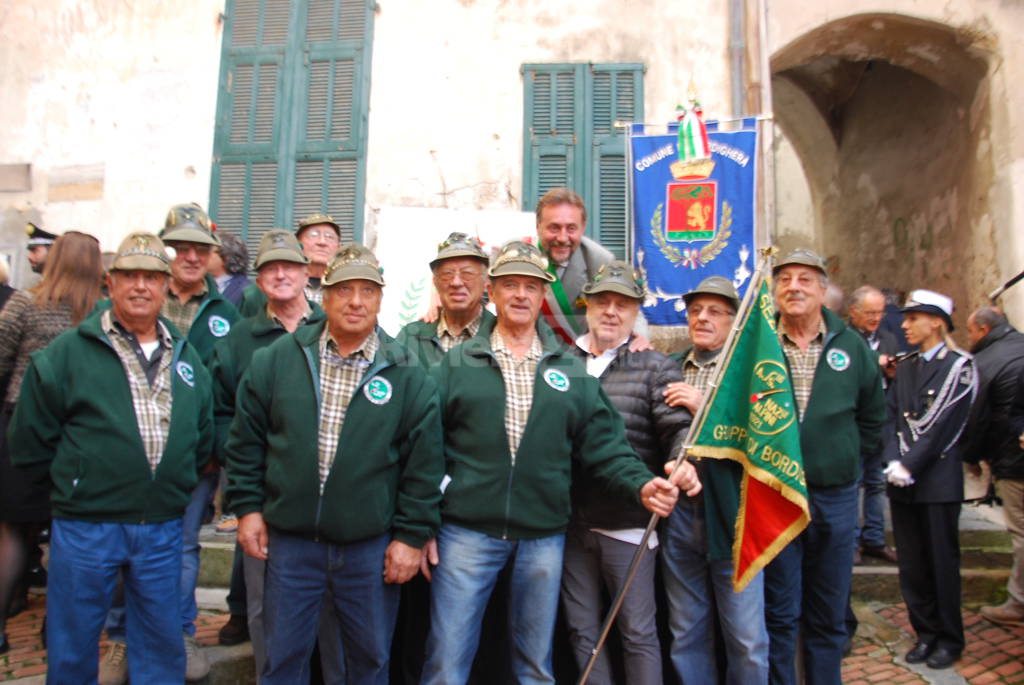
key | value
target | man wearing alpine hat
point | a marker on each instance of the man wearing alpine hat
(334, 459)
(281, 276)
(460, 276)
(195, 304)
(837, 384)
(697, 539)
(929, 404)
(518, 409)
(605, 530)
(116, 414)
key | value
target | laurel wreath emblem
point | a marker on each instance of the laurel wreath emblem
(692, 257)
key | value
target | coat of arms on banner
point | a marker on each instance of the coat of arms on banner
(693, 208)
(690, 214)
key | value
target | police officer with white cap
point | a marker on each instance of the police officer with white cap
(929, 404)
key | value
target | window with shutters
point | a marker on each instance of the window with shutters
(290, 135)
(571, 139)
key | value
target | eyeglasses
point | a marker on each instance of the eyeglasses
(714, 312)
(328, 235)
(183, 248)
(466, 275)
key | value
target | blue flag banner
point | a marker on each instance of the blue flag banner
(690, 224)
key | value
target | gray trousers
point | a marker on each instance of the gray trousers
(332, 662)
(593, 561)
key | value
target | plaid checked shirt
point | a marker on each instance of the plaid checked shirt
(314, 293)
(449, 340)
(696, 374)
(518, 375)
(152, 403)
(339, 378)
(181, 314)
(802, 363)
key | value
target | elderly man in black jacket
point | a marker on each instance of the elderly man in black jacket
(998, 350)
(606, 529)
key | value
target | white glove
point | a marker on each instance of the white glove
(897, 474)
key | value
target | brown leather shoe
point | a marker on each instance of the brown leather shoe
(880, 552)
(1009, 613)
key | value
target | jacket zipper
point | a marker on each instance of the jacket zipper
(512, 469)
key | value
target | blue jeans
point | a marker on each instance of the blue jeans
(808, 586)
(300, 573)
(872, 534)
(84, 562)
(696, 586)
(191, 523)
(463, 582)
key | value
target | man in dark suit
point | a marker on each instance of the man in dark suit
(866, 309)
(929, 404)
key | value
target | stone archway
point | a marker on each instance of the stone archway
(889, 116)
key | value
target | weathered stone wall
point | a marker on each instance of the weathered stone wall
(920, 185)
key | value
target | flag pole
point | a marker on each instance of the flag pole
(738, 322)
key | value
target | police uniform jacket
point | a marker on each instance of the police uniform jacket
(928, 406)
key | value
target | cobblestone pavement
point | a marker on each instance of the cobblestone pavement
(28, 654)
(994, 654)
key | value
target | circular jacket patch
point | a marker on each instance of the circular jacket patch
(219, 326)
(378, 390)
(187, 373)
(838, 359)
(557, 380)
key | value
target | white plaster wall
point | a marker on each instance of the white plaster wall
(446, 108)
(126, 86)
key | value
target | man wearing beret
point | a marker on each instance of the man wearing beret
(116, 414)
(281, 276)
(838, 388)
(460, 276)
(518, 408)
(344, 515)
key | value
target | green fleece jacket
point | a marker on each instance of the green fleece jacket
(230, 360)
(846, 410)
(389, 462)
(74, 424)
(421, 339)
(571, 418)
(212, 323)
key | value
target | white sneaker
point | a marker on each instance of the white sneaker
(114, 665)
(197, 666)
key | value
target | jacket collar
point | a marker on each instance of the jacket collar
(388, 351)
(263, 324)
(92, 328)
(480, 345)
(996, 334)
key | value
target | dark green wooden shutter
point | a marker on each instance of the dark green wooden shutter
(570, 138)
(616, 95)
(291, 126)
(554, 126)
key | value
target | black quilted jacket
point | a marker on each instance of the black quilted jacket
(634, 382)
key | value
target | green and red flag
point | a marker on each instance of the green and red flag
(750, 417)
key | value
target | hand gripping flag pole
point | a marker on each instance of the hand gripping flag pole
(738, 323)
